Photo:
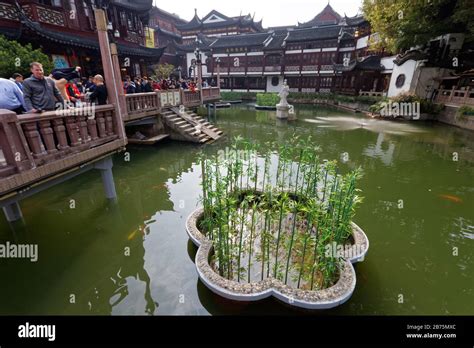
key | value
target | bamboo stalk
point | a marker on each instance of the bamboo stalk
(290, 249)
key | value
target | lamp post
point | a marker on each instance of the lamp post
(193, 70)
(197, 53)
(218, 62)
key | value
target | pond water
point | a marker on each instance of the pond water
(134, 257)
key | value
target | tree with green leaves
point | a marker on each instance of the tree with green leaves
(163, 71)
(16, 58)
(401, 24)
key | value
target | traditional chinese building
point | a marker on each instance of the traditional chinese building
(327, 54)
(65, 30)
(166, 34)
(215, 24)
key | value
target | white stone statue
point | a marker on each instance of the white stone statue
(284, 94)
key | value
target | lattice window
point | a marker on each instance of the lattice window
(28, 11)
(50, 16)
(8, 12)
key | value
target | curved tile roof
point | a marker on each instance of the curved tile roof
(88, 42)
(254, 39)
(319, 33)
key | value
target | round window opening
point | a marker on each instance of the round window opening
(400, 81)
(275, 81)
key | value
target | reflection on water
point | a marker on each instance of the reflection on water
(466, 228)
(377, 151)
(134, 257)
(346, 123)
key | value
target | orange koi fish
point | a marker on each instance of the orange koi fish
(451, 198)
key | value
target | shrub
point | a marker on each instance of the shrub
(406, 98)
(463, 113)
(248, 95)
(233, 96)
(377, 107)
(15, 58)
(429, 107)
(267, 99)
(163, 71)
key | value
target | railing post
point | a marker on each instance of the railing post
(13, 142)
(452, 94)
(111, 68)
(34, 139)
(48, 137)
(466, 96)
(181, 93)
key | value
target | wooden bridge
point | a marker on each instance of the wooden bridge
(41, 150)
(38, 151)
(169, 114)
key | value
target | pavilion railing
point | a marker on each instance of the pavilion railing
(455, 96)
(35, 146)
(371, 94)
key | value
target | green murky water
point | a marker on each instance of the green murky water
(135, 258)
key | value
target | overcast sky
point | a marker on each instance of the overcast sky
(273, 12)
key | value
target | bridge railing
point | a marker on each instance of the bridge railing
(141, 105)
(191, 98)
(170, 97)
(455, 96)
(211, 93)
(36, 146)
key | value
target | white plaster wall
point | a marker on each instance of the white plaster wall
(362, 42)
(271, 88)
(408, 68)
(388, 63)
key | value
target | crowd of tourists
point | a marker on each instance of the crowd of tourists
(63, 88)
(146, 85)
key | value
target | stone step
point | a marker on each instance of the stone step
(188, 128)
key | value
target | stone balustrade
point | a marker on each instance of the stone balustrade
(36, 146)
(371, 94)
(458, 97)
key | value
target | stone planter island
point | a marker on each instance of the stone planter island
(287, 234)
